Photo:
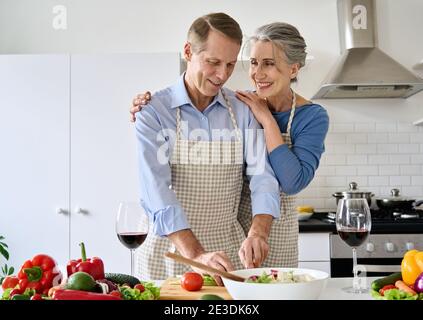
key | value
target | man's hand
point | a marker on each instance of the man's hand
(218, 260)
(255, 248)
(188, 246)
(253, 251)
(138, 103)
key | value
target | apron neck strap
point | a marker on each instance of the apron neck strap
(291, 115)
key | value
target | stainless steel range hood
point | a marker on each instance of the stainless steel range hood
(363, 70)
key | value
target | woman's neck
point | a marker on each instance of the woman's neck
(281, 102)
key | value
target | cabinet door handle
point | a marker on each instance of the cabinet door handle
(61, 211)
(79, 210)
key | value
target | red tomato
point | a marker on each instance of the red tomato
(192, 281)
(140, 287)
(9, 282)
(385, 288)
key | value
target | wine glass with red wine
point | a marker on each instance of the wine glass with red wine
(353, 224)
(131, 227)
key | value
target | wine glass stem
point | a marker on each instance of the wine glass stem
(355, 267)
(132, 261)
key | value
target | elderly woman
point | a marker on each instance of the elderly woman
(294, 127)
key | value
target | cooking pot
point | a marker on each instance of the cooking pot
(354, 193)
(396, 201)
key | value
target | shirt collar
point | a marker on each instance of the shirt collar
(180, 95)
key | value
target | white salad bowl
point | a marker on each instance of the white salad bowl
(309, 290)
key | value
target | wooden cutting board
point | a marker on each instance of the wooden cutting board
(171, 290)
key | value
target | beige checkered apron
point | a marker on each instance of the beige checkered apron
(207, 179)
(283, 239)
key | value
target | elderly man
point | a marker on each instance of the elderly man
(192, 197)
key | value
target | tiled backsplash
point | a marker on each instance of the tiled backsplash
(378, 156)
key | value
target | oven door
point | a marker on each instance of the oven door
(380, 255)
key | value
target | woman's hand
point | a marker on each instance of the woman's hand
(138, 103)
(257, 105)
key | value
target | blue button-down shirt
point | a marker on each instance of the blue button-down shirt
(155, 130)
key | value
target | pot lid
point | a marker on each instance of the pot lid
(396, 196)
(353, 190)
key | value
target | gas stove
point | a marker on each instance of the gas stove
(393, 221)
(397, 215)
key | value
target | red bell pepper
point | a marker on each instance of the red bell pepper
(41, 273)
(93, 266)
(61, 294)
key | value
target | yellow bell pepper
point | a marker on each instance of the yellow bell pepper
(411, 266)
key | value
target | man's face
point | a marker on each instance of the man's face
(209, 69)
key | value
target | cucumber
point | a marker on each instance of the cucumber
(21, 297)
(391, 279)
(120, 279)
(210, 297)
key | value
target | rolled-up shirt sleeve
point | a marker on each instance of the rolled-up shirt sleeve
(157, 197)
(264, 187)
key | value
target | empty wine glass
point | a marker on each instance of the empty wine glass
(353, 224)
(131, 227)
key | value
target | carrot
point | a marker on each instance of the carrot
(402, 286)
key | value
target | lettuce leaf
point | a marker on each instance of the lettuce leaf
(208, 280)
(395, 294)
(151, 292)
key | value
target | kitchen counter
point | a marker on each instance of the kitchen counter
(319, 223)
(316, 225)
(333, 290)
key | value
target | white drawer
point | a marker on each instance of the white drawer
(313, 247)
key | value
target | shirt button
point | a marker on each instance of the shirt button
(203, 118)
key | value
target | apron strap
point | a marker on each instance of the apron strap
(178, 123)
(291, 115)
(231, 113)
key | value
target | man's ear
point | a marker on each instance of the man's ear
(294, 70)
(187, 51)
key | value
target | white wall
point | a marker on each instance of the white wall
(371, 141)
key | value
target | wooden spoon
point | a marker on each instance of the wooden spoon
(204, 267)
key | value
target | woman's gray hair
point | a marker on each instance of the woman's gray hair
(286, 37)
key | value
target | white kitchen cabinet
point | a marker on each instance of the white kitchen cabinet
(314, 250)
(67, 142)
(104, 167)
(34, 156)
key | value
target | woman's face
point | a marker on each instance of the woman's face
(269, 71)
